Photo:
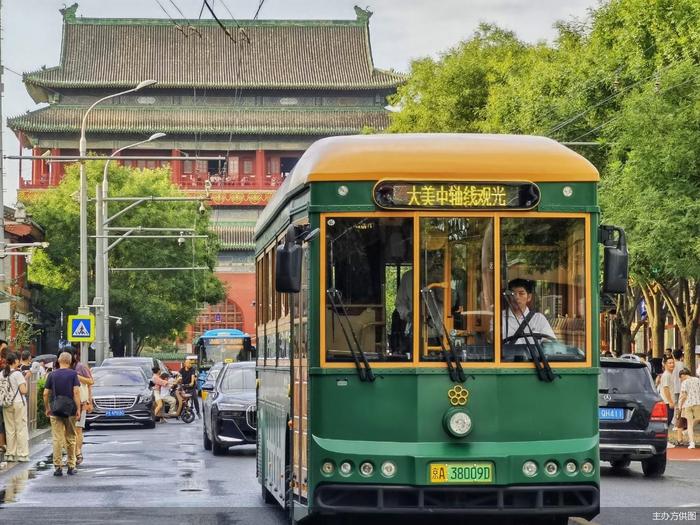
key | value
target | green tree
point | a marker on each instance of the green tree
(451, 94)
(652, 189)
(152, 303)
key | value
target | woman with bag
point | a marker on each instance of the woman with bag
(14, 411)
(86, 382)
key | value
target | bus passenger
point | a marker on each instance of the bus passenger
(519, 298)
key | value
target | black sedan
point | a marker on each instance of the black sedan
(229, 409)
(121, 395)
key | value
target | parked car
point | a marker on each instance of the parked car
(121, 395)
(210, 378)
(632, 417)
(145, 363)
(229, 409)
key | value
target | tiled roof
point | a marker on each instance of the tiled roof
(313, 54)
(182, 119)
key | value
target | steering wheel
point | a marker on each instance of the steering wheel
(535, 335)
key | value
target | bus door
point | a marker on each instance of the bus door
(300, 396)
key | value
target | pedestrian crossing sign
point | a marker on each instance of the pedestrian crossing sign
(81, 328)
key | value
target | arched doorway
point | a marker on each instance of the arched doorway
(226, 314)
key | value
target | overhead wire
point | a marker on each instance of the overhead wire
(577, 116)
(221, 25)
(241, 30)
(257, 12)
(178, 26)
(609, 121)
(190, 25)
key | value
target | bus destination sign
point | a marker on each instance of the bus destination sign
(456, 195)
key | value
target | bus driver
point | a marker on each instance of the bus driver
(519, 296)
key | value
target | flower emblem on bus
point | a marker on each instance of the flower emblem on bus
(458, 395)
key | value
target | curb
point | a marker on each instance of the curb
(35, 439)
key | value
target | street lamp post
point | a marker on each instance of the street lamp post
(102, 256)
(84, 308)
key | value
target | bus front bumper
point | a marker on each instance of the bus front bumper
(521, 500)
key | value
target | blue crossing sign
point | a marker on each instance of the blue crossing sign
(81, 328)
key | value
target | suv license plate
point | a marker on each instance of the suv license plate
(114, 413)
(611, 414)
(475, 472)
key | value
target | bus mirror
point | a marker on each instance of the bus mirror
(288, 259)
(615, 260)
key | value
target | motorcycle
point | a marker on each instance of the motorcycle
(187, 411)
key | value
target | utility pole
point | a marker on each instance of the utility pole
(2, 165)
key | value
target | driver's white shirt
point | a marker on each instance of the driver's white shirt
(538, 324)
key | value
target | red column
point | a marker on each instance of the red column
(260, 168)
(36, 167)
(176, 168)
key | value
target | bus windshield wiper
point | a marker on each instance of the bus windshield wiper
(454, 366)
(361, 362)
(539, 358)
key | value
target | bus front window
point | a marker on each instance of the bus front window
(368, 292)
(543, 281)
(456, 288)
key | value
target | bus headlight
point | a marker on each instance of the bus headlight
(366, 469)
(587, 467)
(457, 422)
(388, 469)
(551, 468)
(530, 469)
(345, 468)
(327, 468)
(570, 467)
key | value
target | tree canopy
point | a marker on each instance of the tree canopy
(625, 80)
(152, 303)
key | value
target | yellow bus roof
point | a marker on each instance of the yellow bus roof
(441, 156)
(434, 156)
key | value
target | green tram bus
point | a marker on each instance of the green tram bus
(385, 265)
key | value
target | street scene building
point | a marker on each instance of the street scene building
(257, 95)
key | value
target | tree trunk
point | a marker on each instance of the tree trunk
(656, 315)
(626, 305)
(683, 300)
(688, 338)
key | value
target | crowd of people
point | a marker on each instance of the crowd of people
(680, 391)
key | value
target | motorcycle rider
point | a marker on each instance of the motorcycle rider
(188, 379)
(166, 396)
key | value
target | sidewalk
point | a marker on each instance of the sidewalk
(681, 453)
(36, 437)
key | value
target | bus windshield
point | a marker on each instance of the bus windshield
(223, 351)
(372, 271)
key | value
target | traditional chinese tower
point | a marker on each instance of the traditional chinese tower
(258, 96)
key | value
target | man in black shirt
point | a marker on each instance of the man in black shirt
(188, 377)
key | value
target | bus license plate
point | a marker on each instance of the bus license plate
(477, 472)
(611, 414)
(115, 413)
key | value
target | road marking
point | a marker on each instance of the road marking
(688, 505)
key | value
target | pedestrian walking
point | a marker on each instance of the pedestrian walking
(666, 390)
(86, 382)
(25, 365)
(689, 400)
(13, 389)
(62, 402)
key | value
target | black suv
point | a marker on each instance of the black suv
(632, 417)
